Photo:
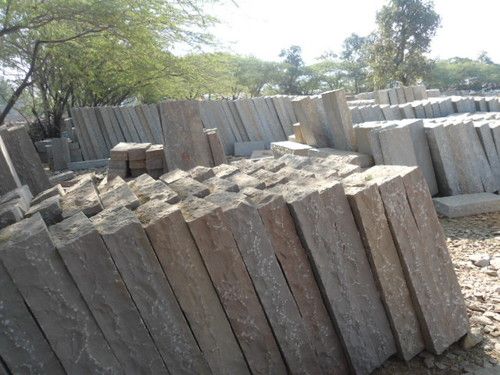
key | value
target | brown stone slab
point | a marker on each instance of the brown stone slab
(137, 151)
(339, 118)
(329, 234)
(81, 197)
(186, 146)
(187, 186)
(216, 147)
(269, 282)
(225, 170)
(23, 347)
(174, 175)
(31, 260)
(120, 151)
(229, 275)
(137, 263)
(94, 272)
(368, 210)
(421, 262)
(216, 184)
(455, 315)
(293, 260)
(116, 193)
(186, 272)
(310, 123)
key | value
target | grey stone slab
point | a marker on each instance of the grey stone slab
(216, 147)
(495, 132)
(397, 146)
(391, 112)
(409, 97)
(213, 116)
(423, 153)
(325, 124)
(50, 210)
(340, 120)
(60, 154)
(23, 347)
(284, 116)
(24, 158)
(118, 194)
(232, 111)
(10, 213)
(246, 148)
(407, 110)
(493, 104)
(31, 260)
(382, 97)
(368, 210)
(269, 119)
(231, 123)
(436, 109)
(292, 256)
(140, 111)
(446, 107)
(88, 164)
(111, 123)
(186, 146)
(429, 113)
(443, 160)
(419, 92)
(355, 115)
(106, 127)
(61, 178)
(329, 234)
(400, 93)
(190, 281)
(286, 147)
(306, 112)
(94, 133)
(83, 136)
(269, 282)
(83, 197)
(230, 277)
(138, 265)
(467, 204)
(147, 188)
(138, 125)
(249, 119)
(85, 255)
(104, 130)
(419, 110)
(393, 96)
(123, 121)
(488, 144)
(22, 193)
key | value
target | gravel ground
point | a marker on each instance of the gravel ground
(474, 244)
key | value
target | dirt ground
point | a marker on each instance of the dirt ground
(474, 244)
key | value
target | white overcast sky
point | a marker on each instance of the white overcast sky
(263, 27)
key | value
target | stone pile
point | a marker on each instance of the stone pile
(458, 154)
(59, 153)
(302, 265)
(433, 107)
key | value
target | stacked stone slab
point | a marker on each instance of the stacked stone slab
(401, 95)
(135, 159)
(308, 265)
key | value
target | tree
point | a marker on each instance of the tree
(104, 38)
(405, 29)
(355, 57)
(293, 70)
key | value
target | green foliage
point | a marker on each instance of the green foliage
(404, 32)
(465, 74)
(293, 72)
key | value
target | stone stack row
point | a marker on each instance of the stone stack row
(294, 265)
(457, 154)
(421, 109)
(400, 95)
(58, 153)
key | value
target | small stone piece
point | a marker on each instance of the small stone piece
(57, 190)
(50, 210)
(201, 173)
(471, 339)
(480, 260)
(81, 197)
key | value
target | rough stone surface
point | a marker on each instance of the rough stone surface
(215, 184)
(187, 186)
(50, 210)
(310, 123)
(243, 180)
(31, 260)
(137, 263)
(216, 147)
(286, 147)
(201, 174)
(147, 188)
(230, 278)
(60, 155)
(186, 272)
(467, 204)
(23, 347)
(118, 194)
(81, 197)
(269, 282)
(10, 213)
(369, 214)
(86, 257)
(293, 260)
(339, 118)
(57, 190)
(328, 231)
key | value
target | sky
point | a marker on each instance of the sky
(262, 28)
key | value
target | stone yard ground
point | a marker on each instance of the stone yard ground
(474, 244)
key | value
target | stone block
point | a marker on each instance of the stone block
(81, 197)
(88, 164)
(419, 110)
(286, 147)
(280, 228)
(488, 145)
(467, 204)
(24, 160)
(216, 184)
(61, 177)
(32, 262)
(177, 253)
(400, 93)
(174, 175)
(397, 146)
(368, 210)
(407, 111)
(86, 257)
(57, 190)
(60, 154)
(23, 194)
(446, 107)
(10, 213)
(409, 97)
(50, 210)
(23, 347)
(246, 148)
(307, 114)
(270, 179)
(243, 180)
(201, 174)
(329, 234)
(185, 187)
(116, 193)
(120, 151)
(147, 188)
(297, 131)
(225, 170)
(340, 120)
(230, 278)
(136, 261)
(393, 96)
(216, 147)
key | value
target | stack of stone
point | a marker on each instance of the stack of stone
(135, 159)
(155, 161)
(302, 263)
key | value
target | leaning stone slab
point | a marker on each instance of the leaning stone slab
(21, 194)
(329, 234)
(307, 114)
(10, 213)
(60, 153)
(187, 186)
(23, 347)
(186, 272)
(88, 164)
(60, 178)
(24, 158)
(136, 261)
(50, 210)
(146, 188)
(467, 204)
(31, 260)
(293, 260)
(397, 146)
(116, 193)
(86, 258)
(81, 197)
(230, 277)
(269, 282)
(53, 191)
(339, 118)
(488, 144)
(216, 147)
(368, 210)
